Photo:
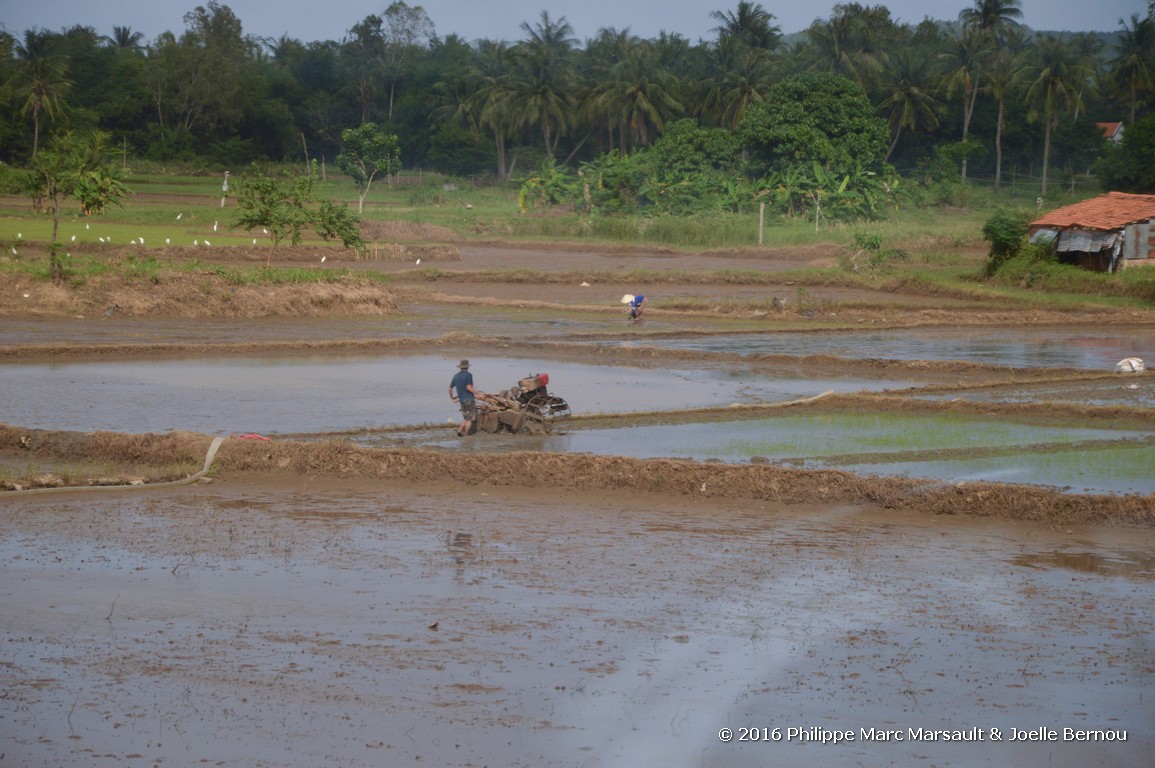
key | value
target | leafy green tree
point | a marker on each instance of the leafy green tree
(1130, 166)
(368, 151)
(98, 188)
(815, 118)
(67, 167)
(287, 205)
(457, 152)
(407, 28)
(1006, 231)
(363, 55)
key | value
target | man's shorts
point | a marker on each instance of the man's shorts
(468, 409)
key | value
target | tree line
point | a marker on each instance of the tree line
(978, 96)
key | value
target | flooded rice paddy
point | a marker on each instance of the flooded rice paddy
(321, 394)
(311, 624)
(330, 393)
(947, 448)
(1097, 349)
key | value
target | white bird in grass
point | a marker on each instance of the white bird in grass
(178, 216)
(323, 259)
(167, 241)
(196, 242)
(215, 225)
(74, 238)
(418, 263)
(19, 235)
(254, 241)
(207, 242)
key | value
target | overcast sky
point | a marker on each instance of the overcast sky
(501, 19)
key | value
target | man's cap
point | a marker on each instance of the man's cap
(463, 364)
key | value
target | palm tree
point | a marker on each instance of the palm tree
(1134, 62)
(1058, 78)
(855, 42)
(741, 77)
(964, 67)
(1004, 72)
(476, 96)
(124, 38)
(43, 76)
(750, 24)
(638, 95)
(910, 101)
(991, 18)
(541, 85)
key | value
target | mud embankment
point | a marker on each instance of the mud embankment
(675, 478)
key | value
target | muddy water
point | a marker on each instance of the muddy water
(1019, 347)
(316, 625)
(279, 395)
(1094, 349)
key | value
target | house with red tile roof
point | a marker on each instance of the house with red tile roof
(1105, 233)
(1111, 131)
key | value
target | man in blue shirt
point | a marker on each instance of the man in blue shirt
(636, 307)
(461, 391)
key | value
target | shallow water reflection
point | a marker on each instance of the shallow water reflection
(1097, 349)
(331, 393)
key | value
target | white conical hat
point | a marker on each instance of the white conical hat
(627, 298)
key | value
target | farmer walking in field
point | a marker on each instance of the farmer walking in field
(461, 391)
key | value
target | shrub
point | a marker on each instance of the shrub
(1006, 231)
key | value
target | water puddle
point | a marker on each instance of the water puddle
(1130, 565)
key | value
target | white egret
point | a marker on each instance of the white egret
(167, 241)
(178, 216)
